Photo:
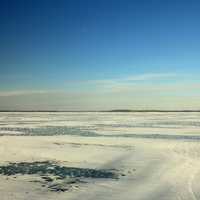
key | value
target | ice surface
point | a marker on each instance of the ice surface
(157, 154)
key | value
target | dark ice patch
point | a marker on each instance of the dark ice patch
(49, 131)
(55, 177)
(46, 167)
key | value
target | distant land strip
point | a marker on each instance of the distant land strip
(117, 110)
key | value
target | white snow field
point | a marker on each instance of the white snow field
(156, 156)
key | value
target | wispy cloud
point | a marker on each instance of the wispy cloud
(155, 83)
(140, 82)
(22, 92)
(151, 76)
(128, 81)
(135, 78)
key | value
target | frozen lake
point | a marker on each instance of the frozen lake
(172, 125)
(155, 154)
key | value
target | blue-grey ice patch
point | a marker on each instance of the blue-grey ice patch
(78, 131)
(48, 131)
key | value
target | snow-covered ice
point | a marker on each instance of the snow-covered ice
(157, 153)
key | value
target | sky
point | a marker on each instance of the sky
(99, 54)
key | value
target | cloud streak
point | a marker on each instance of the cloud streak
(133, 79)
(22, 92)
(151, 76)
(129, 81)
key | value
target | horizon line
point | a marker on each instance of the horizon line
(112, 110)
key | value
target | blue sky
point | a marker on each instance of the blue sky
(99, 54)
